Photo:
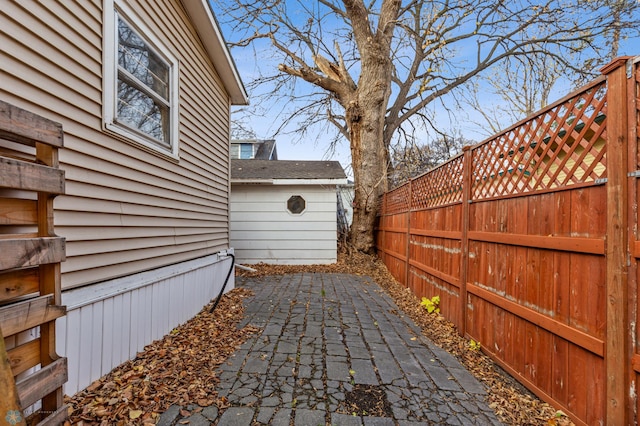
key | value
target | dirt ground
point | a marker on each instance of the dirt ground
(180, 368)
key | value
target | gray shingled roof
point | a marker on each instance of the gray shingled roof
(285, 169)
(267, 150)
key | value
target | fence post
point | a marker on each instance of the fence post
(616, 356)
(464, 242)
(408, 245)
(632, 217)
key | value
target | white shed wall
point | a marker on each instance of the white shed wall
(263, 230)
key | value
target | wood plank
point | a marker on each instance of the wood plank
(394, 255)
(531, 386)
(451, 235)
(19, 125)
(573, 244)
(579, 382)
(396, 230)
(17, 211)
(27, 176)
(41, 383)
(436, 273)
(22, 316)
(18, 283)
(595, 390)
(56, 418)
(635, 362)
(26, 252)
(577, 337)
(560, 371)
(543, 361)
(9, 401)
(24, 357)
(530, 351)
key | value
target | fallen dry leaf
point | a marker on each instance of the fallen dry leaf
(134, 414)
(174, 370)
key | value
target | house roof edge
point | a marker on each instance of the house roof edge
(208, 29)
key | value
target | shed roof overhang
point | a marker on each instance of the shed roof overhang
(208, 30)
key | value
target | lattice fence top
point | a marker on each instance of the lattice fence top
(397, 200)
(439, 187)
(562, 146)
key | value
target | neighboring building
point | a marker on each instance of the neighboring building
(346, 194)
(254, 149)
(143, 90)
(285, 212)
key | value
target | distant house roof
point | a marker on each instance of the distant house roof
(264, 149)
(267, 150)
(268, 171)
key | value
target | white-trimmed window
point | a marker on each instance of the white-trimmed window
(140, 82)
(243, 151)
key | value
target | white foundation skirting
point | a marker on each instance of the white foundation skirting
(110, 322)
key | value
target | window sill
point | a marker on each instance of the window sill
(132, 139)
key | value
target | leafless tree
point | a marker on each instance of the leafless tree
(410, 159)
(625, 19)
(240, 129)
(522, 85)
(512, 90)
(376, 70)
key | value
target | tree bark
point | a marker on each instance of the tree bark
(369, 160)
(365, 117)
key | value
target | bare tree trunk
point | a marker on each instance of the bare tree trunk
(365, 116)
(369, 172)
(618, 8)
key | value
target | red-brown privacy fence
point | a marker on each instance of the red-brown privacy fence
(531, 241)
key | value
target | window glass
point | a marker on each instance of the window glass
(137, 58)
(296, 204)
(143, 92)
(246, 151)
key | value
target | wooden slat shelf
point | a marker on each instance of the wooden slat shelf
(18, 283)
(27, 176)
(30, 264)
(25, 127)
(24, 357)
(25, 252)
(9, 401)
(16, 211)
(21, 316)
(56, 418)
(44, 381)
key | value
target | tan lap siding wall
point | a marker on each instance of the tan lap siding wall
(125, 210)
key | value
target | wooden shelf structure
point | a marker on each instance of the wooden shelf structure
(30, 287)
